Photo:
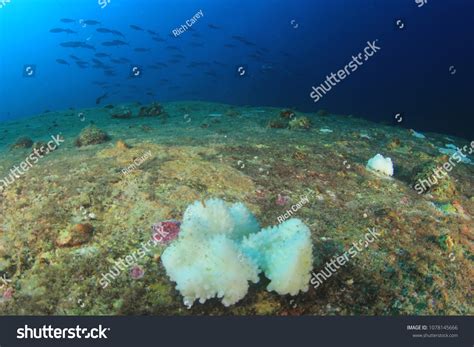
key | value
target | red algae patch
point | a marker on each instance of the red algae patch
(165, 232)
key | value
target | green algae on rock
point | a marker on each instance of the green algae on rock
(77, 235)
(278, 123)
(154, 110)
(425, 176)
(91, 136)
(22, 142)
(302, 122)
(40, 147)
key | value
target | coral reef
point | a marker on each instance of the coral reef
(414, 268)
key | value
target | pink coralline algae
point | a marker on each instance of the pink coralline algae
(165, 232)
(136, 272)
(8, 294)
(282, 200)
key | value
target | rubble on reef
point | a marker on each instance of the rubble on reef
(322, 113)
(124, 114)
(442, 188)
(278, 123)
(287, 114)
(154, 110)
(302, 122)
(72, 214)
(22, 142)
(122, 145)
(289, 119)
(75, 236)
(91, 136)
(40, 147)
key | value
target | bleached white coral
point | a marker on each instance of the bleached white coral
(285, 254)
(219, 250)
(381, 164)
(203, 269)
(206, 261)
(215, 217)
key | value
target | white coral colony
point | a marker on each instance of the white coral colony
(220, 249)
(381, 164)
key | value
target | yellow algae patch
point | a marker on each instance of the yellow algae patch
(126, 157)
(214, 178)
(162, 189)
(265, 305)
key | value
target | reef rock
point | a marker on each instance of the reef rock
(77, 235)
(154, 110)
(91, 136)
(22, 142)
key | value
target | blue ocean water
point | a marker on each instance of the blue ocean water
(243, 52)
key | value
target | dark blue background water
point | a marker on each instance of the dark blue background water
(410, 75)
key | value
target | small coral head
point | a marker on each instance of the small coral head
(8, 294)
(165, 232)
(282, 200)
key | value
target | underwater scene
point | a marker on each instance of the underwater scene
(224, 157)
